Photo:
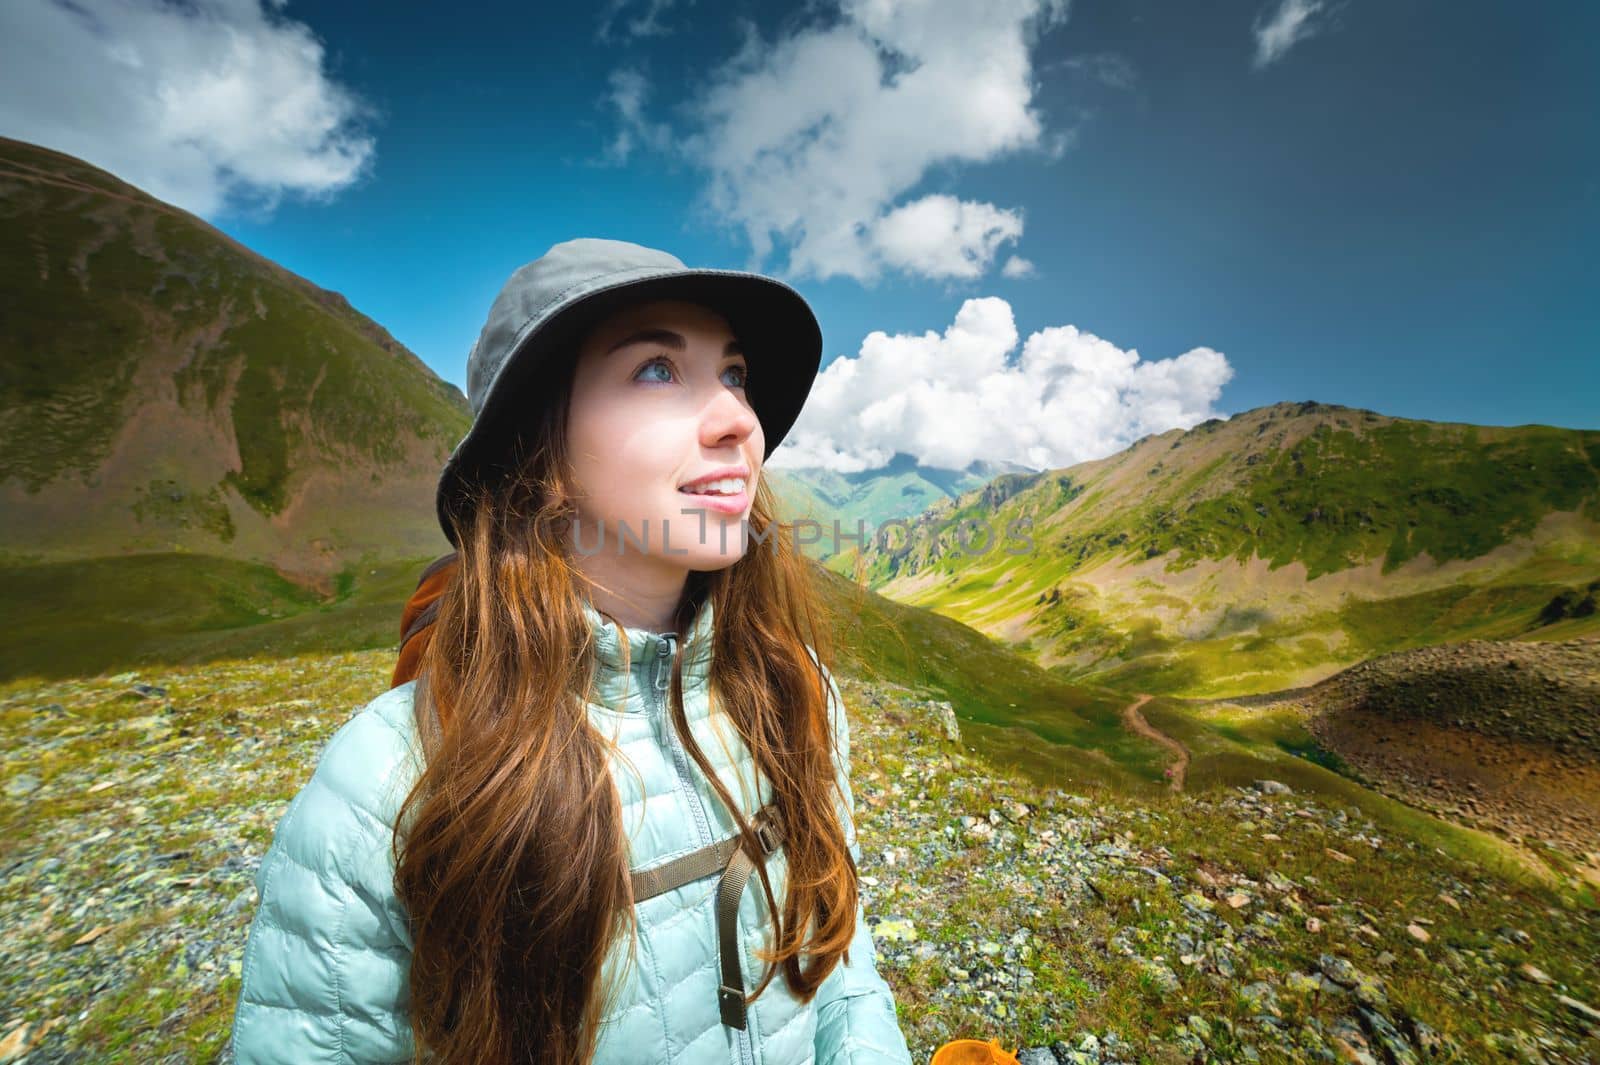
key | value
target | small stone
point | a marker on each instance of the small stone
(1532, 973)
(896, 931)
(14, 1042)
(1417, 932)
(1338, 856)
(1582, 1009)
(1298, 981)
(1237, 899)
(21, 784)
(1165, 978)
(1313, 925)
(91, 935)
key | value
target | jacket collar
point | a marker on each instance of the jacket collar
(629, 684)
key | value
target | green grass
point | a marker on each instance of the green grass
(71, 618)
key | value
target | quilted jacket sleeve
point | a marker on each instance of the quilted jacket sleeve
(856, 1014)
(327, 960)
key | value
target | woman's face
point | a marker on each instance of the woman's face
(658, 401)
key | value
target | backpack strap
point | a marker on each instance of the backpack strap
(736, 864)
(730, 996)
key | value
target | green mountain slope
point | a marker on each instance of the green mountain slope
(1268, 549)
(901, 489)
(163, 388)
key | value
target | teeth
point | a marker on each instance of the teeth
(729, 486)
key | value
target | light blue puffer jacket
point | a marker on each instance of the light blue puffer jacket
(324, 977)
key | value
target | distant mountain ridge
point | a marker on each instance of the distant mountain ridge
(902, 489)
(1269, 548)
(163, 388)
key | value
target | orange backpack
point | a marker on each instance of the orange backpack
(416, 620)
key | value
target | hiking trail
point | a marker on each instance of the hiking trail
(1135, 721)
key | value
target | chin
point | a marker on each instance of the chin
(709, 559)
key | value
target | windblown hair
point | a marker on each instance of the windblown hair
(511, 857)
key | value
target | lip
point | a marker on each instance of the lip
(718, 474)
(721, 504)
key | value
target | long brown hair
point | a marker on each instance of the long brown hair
(511, 859)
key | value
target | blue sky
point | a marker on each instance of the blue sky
(1388, 205)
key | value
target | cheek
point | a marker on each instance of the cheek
(624, 463)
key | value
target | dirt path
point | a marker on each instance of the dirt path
(1135, 721)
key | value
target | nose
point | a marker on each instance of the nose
(726, 419)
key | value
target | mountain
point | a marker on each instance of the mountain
(901, 489)
(1268, 549)
(165, 389)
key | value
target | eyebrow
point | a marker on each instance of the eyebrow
(672, 340)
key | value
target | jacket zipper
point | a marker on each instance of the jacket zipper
(680, 760)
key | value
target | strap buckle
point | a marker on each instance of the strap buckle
(767, 834)
(730, 1004)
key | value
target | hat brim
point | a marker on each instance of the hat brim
(781, 337)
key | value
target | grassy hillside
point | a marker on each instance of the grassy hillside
(86, 616)
(164, 388)
(1267, 550)
(1233, 924)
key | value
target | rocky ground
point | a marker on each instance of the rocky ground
(1237, 924)
(1499, 735)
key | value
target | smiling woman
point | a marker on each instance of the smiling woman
(667, 446)
(537, 850)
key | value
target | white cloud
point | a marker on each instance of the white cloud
(1278, 30)
(629, 90)
(209, 105)
(1107, 68)
(948, 399)
(942, 237)
(1017, 266)
(813, 140)
(648, 24)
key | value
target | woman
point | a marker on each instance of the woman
(519, 856)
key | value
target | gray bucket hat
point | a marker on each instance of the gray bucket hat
(546, 307)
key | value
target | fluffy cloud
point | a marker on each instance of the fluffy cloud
(941, 236)
(813, 140)
(948, 399)
(1017, 266)
(1280, 27)
(205, 105)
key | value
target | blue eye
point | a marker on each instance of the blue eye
(659, 363)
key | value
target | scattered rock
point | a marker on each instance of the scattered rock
(21, 784)
(1532, 973)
